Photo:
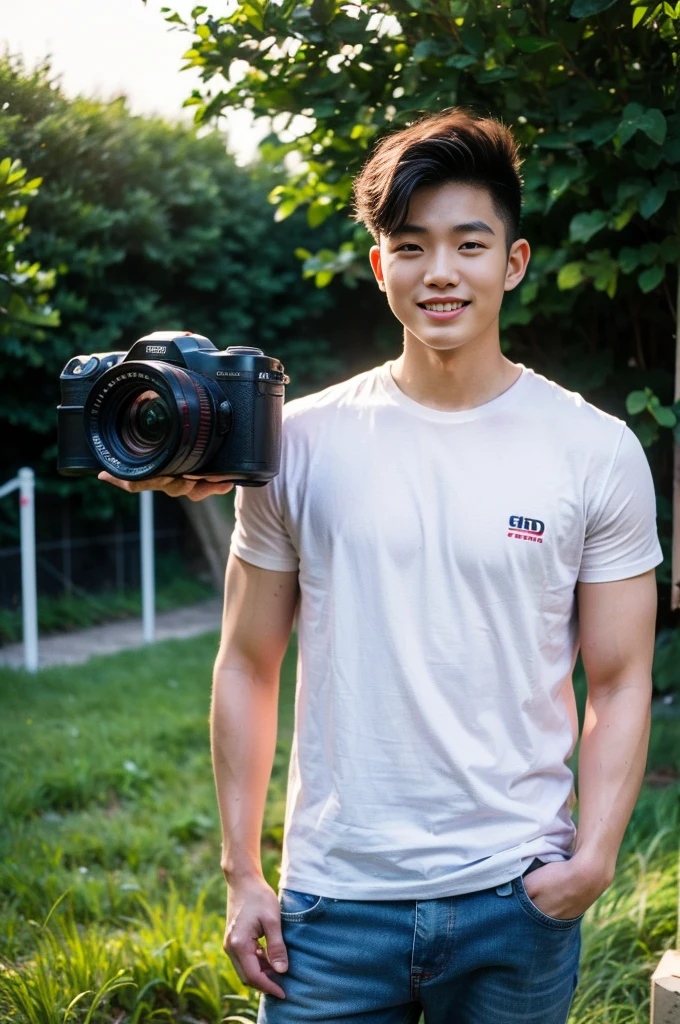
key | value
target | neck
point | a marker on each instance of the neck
(454, 379)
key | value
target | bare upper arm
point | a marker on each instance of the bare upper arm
(259, 608)
(616, 626)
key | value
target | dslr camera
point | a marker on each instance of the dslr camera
(173, 404)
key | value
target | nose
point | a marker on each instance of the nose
(440, 271)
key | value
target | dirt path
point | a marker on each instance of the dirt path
(76, 647)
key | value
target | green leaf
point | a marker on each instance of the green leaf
(560, 177)
(319, 211)
(638, 15)
(494, 75)
(425, 49)
(323, 11)
(532, 44)
(473, 40)
(556, 140)
(636, 402)
(285, 209)
(664, 416)
(635, 118)
(651, 278)
(528, 292)
(653, 200)
(324, 109)
(630, 188)
(570, 275)
(620, 220)
(584, 225)
(603, 131)
(460, 60)
(628, 259)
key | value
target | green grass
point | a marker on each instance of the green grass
(108, 796)
(110, 888)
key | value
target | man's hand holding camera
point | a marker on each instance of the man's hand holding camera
(193, 487)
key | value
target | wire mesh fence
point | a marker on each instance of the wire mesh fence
(90, 569)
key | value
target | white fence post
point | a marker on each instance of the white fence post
(147, 553)
(29, 596)
(25, 484)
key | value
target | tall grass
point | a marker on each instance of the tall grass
(111, 900)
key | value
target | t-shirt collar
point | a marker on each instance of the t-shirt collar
(495, 405)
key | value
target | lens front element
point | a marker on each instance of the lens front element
(149, 419)
(145, 423)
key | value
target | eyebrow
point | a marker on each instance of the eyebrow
(418, 229)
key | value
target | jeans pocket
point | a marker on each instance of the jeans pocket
(527, 904)
(299, 906)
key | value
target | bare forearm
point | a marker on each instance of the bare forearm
(611, 768)
(243, 726)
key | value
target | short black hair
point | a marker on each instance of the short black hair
(456, 144)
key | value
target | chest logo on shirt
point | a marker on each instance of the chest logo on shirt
(523, 528)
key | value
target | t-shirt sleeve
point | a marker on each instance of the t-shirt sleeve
(621, 537)
(260, 535)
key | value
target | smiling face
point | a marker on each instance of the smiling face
(452, 246)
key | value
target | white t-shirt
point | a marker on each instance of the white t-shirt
(438, 553)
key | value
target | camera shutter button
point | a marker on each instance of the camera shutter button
(243, 350)
(224, 417)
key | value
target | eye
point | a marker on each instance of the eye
(414, 246)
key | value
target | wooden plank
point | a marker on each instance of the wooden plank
(665, 1007)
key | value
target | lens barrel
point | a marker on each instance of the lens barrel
(145, 419)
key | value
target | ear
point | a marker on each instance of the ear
(374, 256)
(518, 261)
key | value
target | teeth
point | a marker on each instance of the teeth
(439, 307)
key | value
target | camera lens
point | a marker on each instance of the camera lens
(150, 418)
(144, 423)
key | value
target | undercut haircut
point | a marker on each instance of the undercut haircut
(457, 145)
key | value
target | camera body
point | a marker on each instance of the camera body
(173, 404)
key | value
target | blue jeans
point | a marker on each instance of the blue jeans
(485, 957)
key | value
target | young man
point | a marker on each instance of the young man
(450, 527)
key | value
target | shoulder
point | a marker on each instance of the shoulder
(576, 420)
(305, 413)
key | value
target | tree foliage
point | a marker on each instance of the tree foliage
(589, 88)
(152, 228)
(24, 287)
